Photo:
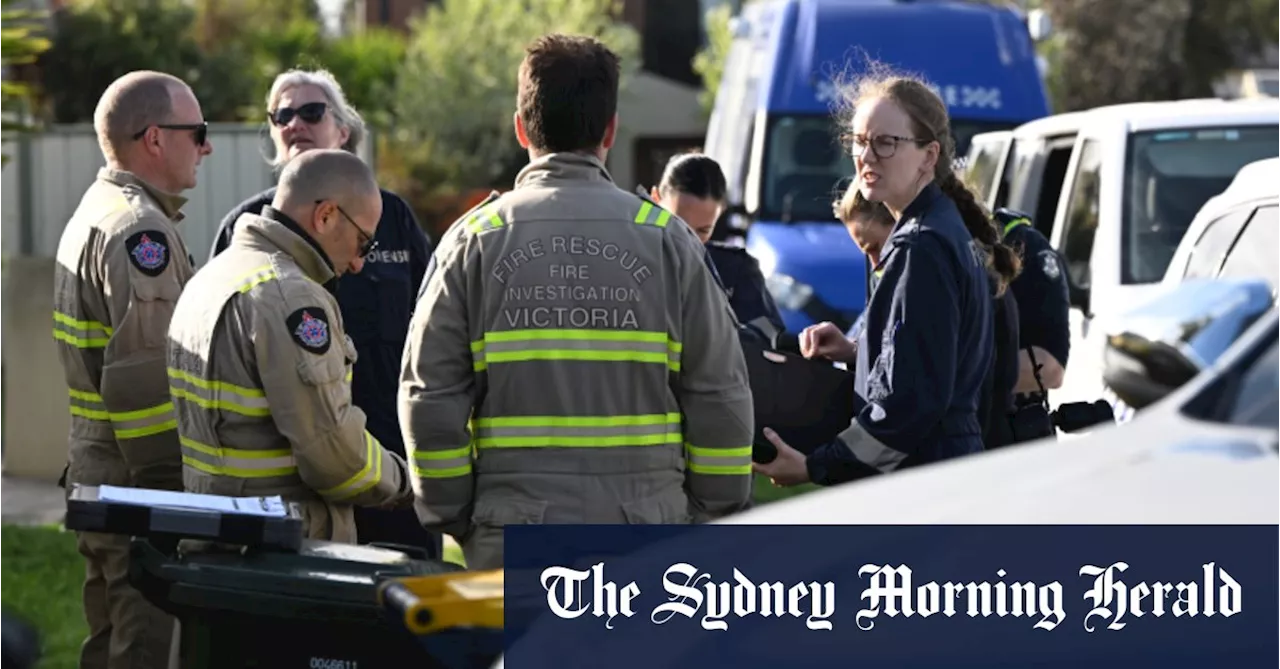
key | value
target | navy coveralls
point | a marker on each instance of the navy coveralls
(376, 306)
(743, 283)
(924, 352)
(1041, 288)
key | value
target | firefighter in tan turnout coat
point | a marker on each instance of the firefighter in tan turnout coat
(121, 265)
(259, 367)
(571, 358)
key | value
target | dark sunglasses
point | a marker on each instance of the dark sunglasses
(200, 134)
(311, 112)
(367, 243)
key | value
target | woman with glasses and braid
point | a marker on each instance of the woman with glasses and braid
(923, 358)
(307, 110)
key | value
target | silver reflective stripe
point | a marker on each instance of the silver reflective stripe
(88, 405)
(735, 461)
(144, 422)
(584, 345)
(445, 464)
(869, 450)
(577, 431)
(218, 394)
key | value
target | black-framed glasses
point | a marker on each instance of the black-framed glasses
(311, 113)
(200, 130)
(367, 242)
(884, 146)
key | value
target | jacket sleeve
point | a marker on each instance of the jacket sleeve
(438, 387)
(1042, 294)
(767, 321)
(141, 286)
(712, 389)
(910, 383)
(303, 359)
(419, 246)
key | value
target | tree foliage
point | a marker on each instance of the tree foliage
(709, 63)
(1114, 51)
(456, 93)
(21, 42)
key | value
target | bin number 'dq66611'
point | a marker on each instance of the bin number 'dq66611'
(333, 663)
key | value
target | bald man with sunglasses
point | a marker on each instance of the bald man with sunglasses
(121, 266)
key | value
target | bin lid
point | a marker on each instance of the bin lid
(320, 573)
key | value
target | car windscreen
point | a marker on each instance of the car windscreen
(1169, 175)
(806, 165)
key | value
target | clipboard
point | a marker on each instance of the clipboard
(163, 514)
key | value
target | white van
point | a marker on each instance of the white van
(1138, 175)
(1033, 167)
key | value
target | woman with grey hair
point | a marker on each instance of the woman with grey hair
(307, 110)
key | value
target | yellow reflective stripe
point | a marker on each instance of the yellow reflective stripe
(577, 431)
(486, 218)
(570, 344)
(372, 461)
(646, 212)
(251, 462)
(219, 395)
(144, 422)
(719, 461)
(1015, 223)
(90, 405)
(349, 374)
(80, 333)
(442, 464)
(260, 275)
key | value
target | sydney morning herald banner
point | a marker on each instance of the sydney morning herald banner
(886, 596)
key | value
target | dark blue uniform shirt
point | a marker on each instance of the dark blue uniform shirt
(376, 305)
(1041, 288)
(924, 352)
(743, 283)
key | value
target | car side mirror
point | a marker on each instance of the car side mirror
(1157, 348)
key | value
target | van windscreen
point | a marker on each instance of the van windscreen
(1169, 175)
(806, 166)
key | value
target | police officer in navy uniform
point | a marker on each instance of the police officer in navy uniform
(307, 110)
(1044, 327)
(925, 352)
(693, 187)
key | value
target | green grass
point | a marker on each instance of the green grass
(42, 574)
(766, 492)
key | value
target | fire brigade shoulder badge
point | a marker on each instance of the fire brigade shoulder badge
(148, 251)
(309, 327)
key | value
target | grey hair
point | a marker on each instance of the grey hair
(130, 105)
(325, 174)
(344, 114)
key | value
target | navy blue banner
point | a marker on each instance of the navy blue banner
(889, 596)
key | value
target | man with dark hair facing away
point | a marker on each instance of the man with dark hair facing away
(566, 360)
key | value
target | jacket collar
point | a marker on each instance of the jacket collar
(560, 167)
(909, 223)
(169, 203)
(275, 229)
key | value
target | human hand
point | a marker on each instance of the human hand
(825, 340)
(788, 468)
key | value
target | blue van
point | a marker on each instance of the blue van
(773, 132)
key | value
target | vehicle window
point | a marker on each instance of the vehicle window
(1082, 213)
(1257, 399)
(1254, 253)
(981, 165)
(1169, 175)
(1206, 256)
(1050, 191)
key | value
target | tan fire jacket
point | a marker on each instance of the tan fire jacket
(572, 360)
(121, 266)
(260, 372)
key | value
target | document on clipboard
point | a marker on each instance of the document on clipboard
(273, 507)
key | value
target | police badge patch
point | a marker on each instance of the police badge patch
(309, 327)
(148, 251)
(1049, 265)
